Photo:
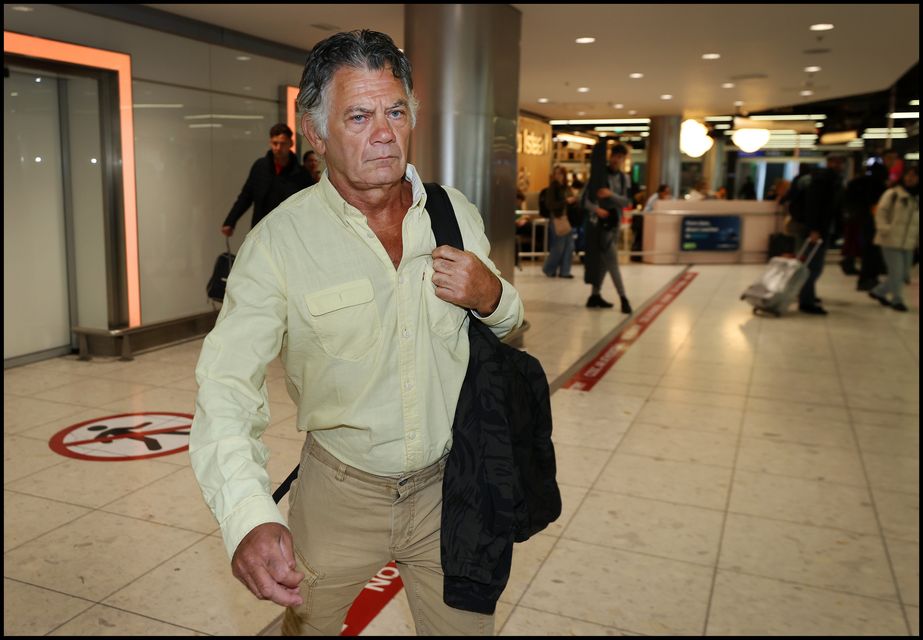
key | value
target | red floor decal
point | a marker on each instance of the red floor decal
(593, 371)
(127, 436)
(372, 599)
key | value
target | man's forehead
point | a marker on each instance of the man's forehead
(352, 83)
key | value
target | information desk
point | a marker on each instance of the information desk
(709, 231)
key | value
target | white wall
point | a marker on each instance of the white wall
(187, 178)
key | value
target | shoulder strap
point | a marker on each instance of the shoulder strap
(442, 216)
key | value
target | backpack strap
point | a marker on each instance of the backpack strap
(442, 216)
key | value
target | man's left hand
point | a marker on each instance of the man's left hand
(461, 278)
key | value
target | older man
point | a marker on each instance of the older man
(371, 319)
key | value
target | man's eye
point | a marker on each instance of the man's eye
(397, 113)
(358, 118)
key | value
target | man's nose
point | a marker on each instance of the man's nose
(382, 130)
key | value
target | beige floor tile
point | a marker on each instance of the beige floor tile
(680, 482)
(797, 430)
(155, 399)
(620, 589)
(92, 484)
(27, 517)
(893, 473)
(680, 445)
(571, 497)
(196, 590)
(822, 504)
(94, 392)
(528, 557)
(286, 428)
(619, 388)
(153, 372)
(801, 461)
(95, 555)
(748, 606)
(21, 413)
(684, 415)
(32, 611)
(23, 457)
(603, 432)
(579, 466)
(615, 374)
(889, 440)
(28, 380)
(647, 526)
(704, 384)
(48, 430)
(807, 411)
(913, 618)
(899, 514)
(905, 558)
(885, 418)
(106, 621)
(175, 500)
(819, 557)
(723, 400)
(531, 622)
(881, 401)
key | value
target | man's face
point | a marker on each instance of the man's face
(311, 163)
(368, 129)
(836, 163)
(280, 145)
(617, 161)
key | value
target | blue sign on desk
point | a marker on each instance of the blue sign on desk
(710, 233)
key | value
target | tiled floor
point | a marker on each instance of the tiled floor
(730, 475)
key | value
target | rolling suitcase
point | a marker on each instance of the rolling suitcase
(780, 284)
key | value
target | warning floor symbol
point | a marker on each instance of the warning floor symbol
(128, 436)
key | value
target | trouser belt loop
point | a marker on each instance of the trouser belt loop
(341, 471)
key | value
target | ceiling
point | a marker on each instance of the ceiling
(764, 50)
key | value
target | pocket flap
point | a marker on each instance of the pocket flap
(340, 297)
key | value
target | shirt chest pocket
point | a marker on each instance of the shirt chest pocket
(345, 318)
(445, 318)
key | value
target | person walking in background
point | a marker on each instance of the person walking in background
(312, 165)
(604, 199)
(897, 219)
(823, 208)
(662, 193)
(371, 319)
(556, 198)
(748, 190)
(699, 191)
(273, 178)
(862, 195)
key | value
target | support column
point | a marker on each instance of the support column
(465, 61)
(663, 155)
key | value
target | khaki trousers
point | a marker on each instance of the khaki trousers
(347, 524)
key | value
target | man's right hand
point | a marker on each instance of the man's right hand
(227, 230)
(265, 562)
(602, 213)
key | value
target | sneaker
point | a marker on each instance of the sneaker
(815, 309)
(884, 301)
(567, 276)
(597, 301)
(899, 306)
(626, 308)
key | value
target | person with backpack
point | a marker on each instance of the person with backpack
(554, 200)
(897, 219)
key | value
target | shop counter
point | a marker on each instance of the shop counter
(709, 231)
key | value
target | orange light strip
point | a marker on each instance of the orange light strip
(33, 47)
(291, 95)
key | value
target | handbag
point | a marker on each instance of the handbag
(561, 225)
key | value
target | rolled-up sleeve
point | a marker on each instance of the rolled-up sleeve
(509, 312)
(232, 405)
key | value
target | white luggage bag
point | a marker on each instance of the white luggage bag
(780, 284)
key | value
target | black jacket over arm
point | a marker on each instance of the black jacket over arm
(265, 190)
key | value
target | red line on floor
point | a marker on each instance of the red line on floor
(372, 599)
(595, 369)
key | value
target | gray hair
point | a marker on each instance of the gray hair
(360, 49)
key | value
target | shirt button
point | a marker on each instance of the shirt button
(405, 332)
(408, 385)
(402, 280)
(412, 435)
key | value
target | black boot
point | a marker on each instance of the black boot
(626, 308)
(596, 300)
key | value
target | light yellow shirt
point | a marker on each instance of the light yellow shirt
(373, 359)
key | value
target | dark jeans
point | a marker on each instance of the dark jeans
(808, 294)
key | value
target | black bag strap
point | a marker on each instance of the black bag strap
(279, 493)
(442, 216)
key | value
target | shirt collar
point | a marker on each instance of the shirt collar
(344, 210)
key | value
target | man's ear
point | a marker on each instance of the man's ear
(307, 127)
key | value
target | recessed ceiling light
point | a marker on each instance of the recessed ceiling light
(635, 76)
(807, 92)
(914, 103)
(23, 9)
(581, 113)
(632, 112)
(821, 27)
(243, 58)
(818, 124)
(812, 69)
(666, 96)
(543, 100)
(727, 85)
(710, 56)
(619, 105)
(738, 103)
(585, 40)
(583, 89)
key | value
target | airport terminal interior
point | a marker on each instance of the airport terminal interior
(723, 470)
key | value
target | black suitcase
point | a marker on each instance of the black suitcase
(781, 244)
